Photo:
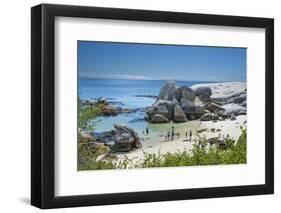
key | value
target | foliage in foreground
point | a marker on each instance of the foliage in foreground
(88, 114)
(231, 153)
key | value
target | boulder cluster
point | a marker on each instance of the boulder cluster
(180, 104)
(121, 138)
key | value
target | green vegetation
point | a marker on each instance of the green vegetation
(88, 150)
(229, 153)
(87, 114)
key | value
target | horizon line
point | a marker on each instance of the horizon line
(148, 79)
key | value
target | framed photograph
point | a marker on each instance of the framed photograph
(139, 106)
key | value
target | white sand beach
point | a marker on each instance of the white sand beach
(230, 127)
(208, 129)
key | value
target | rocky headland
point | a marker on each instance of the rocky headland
(207, 102)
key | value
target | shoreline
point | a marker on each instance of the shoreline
(228, 97)
(230, 127)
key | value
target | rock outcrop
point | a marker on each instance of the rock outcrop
(126, 134)
(206, 101)
(179, 115)
(178, 104)
(204, 93)
(121, 138)
(169, 91)
(193, 109)
(158, 118)
(125, 138)
(162, 107)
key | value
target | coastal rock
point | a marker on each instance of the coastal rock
(179, 115)
(223, 91)
(232, 117)
(169, 91)
(158, 118)
(102, 100)
(204, 93)
(233, 108)
(185, 103)
(205, 111)
(111, 110)
(218, 101)
(104, 137)
(177, 95)
(85, 137)
(192, 109)
(201, 130)
(125, 138)
(242, 112)
(187, 93)
(213, 140)
(215, 117)
(207, 117)
(87, 102)
(161, 107)
(217, 140)
(239, 99)
(215, 108)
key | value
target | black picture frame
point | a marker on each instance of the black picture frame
(43, 102)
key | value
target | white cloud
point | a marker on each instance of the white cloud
(120, 76)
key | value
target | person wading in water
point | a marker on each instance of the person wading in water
(147, 130)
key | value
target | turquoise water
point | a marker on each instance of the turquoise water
(122, 94)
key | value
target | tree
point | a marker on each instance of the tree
(87, 114)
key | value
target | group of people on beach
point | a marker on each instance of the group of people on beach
(170, 136)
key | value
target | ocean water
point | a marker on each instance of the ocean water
(122, 93)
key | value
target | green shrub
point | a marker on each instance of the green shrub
(231, 153)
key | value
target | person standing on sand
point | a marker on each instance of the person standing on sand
(168, 135)
(190, 135)
(147, 130)
(186, 135)
(173, 133)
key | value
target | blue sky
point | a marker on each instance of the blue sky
(160, 62)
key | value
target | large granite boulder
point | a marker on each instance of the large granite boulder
(193, 109)
(110, 110)
(204, 93)
(169, 91)
(158, 118)
(207, 117)
(162, 107)
(240, 99)
(187, 93)
(215, 108)
(186, 104)
(234, 109)
(179, 115)
(125, 135)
